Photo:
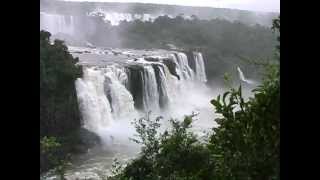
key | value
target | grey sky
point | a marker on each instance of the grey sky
(254, 5)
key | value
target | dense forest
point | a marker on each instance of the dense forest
(225, 44)
(60, 121)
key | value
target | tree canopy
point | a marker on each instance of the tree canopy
(59, 113)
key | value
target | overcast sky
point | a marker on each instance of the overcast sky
(254, 5)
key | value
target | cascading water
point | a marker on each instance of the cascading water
(115, 91)
(171, 84)
(112, 94)
(242, 78)
(120, 98)
(115, 17)
(55, 23)
(199, 67)
(164, 98)
(183, 69)
(150, 89)
(93, 103)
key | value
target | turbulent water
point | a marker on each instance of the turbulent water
(116, 89)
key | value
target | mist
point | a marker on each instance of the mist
(88, 17)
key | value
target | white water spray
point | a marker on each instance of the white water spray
(200, 69)
(104, 97)
(94, 105)
(242, 78)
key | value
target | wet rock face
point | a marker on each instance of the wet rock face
(135, 85)
(171, 66)
(151, 59)
(191, 60)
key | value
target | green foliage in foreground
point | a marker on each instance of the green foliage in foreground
(247, 140)
(59, 114)
(50, 151)
(173, 154)
(245, 145)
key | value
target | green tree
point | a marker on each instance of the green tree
(50, 151)
(59, 113)
(248, 137)
(247, 140)
(58, 101)
(173, 154)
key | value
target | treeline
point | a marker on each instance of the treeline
(227, 40)
(59, 113)
(224, 44)
(82, 8)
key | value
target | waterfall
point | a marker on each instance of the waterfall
(182, 67)
(150, 89)
(119, 97)
(199, 67)
(172, 85)
(242, 78)
(120, 91)
(94, 105)
(103, 96)
(164, 98)
(115, 17)
(55, 23)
